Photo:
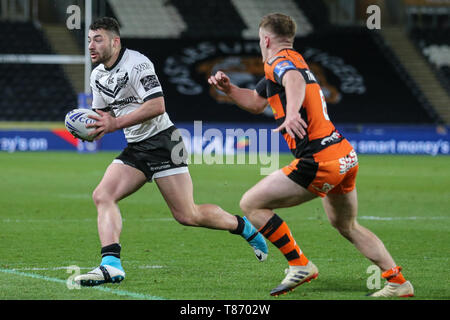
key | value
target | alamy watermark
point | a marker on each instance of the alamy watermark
(73, 21)
(227, 146)
(74, 271)
(374, 280)
(374, 19)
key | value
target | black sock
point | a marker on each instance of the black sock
(111, 250)
(240, 226)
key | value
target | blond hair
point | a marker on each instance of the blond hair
(281, 25)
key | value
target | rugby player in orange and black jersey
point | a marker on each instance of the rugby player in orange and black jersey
(326, 164)
(320, 132)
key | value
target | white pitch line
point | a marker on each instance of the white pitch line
(134, 295)
(81, 268)
(391, 218)
(48, 269)
(12, 220)
(170, 219)
(400, 218)
(75, 195)
(150, 267)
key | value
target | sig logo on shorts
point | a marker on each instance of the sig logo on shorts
(348, 162)
(325, 188)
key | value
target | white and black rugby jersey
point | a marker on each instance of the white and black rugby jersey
(124, 87)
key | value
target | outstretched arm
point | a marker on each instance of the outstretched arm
(246, 99)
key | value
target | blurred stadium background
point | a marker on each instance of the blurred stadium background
(387, 90)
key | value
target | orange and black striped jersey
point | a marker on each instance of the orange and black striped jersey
(322, 141)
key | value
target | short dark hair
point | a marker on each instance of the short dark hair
(106, 23)
(280, 24)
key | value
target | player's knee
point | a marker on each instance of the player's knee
(186, 220)
(345, 229)
(249, 205)
(99, 196)
(96, 197)
(246, 204)
(345, 232)
(185, 217)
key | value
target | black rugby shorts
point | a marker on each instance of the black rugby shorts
(159, 156)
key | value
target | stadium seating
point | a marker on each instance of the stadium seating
(147, 19)
(31, 92)
(200, 35)
(251, 12)
(434, 44)
(209, 18)
(316, 11)
(22, 37)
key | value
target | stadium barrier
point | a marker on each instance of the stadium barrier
(231, 139)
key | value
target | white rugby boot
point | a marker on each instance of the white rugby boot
(100, 275)
(392, 289)
(295, 276)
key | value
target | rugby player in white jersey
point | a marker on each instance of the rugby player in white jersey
(127, 95)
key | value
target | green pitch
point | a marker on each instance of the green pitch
(48, 224)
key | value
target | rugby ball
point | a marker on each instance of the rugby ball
(76, 121)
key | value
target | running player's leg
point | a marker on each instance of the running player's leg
(279, 191)
(341, 210)
(119, 181)
(273, 192)
(276, 191)
(177, 191)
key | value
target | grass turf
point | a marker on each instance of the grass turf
(48, 222)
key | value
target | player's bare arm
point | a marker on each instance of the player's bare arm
(246, 99)
(107, 123)
(295, 87)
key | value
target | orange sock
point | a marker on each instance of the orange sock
(394, 275)
(278, 232)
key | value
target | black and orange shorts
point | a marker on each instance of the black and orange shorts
(334, 176)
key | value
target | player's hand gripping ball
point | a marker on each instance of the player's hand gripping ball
(76, 121)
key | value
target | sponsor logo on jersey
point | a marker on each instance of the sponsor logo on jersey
(121, 82)
(123, 102)
(149, 82)
(142, 66)
(335, 136)
(282, 67)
